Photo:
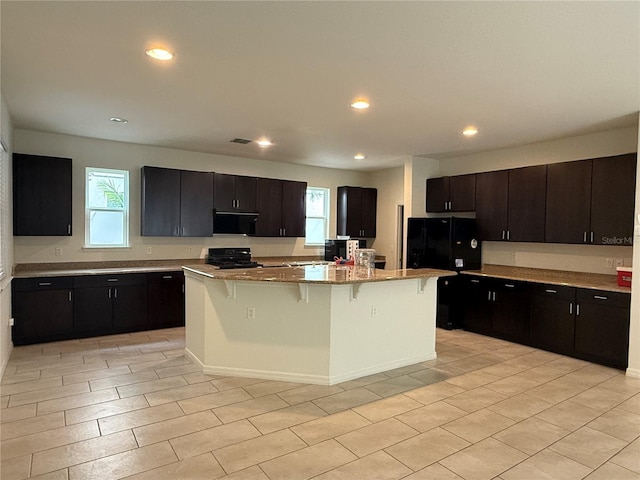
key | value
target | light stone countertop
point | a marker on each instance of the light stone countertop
(595, 281)
(321, 274)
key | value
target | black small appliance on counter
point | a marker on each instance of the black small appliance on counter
(231, 258)
(447, 243)
(338, 248)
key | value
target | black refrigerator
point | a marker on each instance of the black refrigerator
(448, 243)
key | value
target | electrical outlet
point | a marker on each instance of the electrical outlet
(58, 251)
(189, 250)
(149, 250)
(609, 262)
(374, 310)
(251, 313)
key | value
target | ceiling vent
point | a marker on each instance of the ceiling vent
(243, 141)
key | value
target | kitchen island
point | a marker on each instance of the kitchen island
(318, 324)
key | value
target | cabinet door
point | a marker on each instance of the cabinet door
(129, 307)
(196, 204)
(166, 299)
(568, 208)
(511, 311)
(602, 327)
(42, 316)
(369, 201)
(160, 202)
(527, 198)
(349, 211)
(41, 195)
(437, 194)
(92, 311)
(246, 193)
(612, 199)
(294, 196)
(462, 193)
(224, 192)
(553, 310)
(492, 190)
(269, 207)
(478, 307)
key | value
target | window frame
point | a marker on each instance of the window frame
(88, 210)
(325, 218)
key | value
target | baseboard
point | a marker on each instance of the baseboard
(633, 372)
(5, 360)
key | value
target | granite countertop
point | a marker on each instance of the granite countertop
(327, 274)
(555, 277)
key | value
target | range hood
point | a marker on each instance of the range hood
(234, 222)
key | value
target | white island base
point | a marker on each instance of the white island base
(317, 333)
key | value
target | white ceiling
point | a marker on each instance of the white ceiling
(520, 71)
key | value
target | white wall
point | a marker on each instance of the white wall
(390, 185)
(633, 368)
(580, 258)
(6, 134)
(87, 152)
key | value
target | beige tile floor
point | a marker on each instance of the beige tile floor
(132, 406)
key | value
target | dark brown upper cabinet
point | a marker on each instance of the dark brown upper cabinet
(492, 199)
(281, 208)
(613, 183)
(234, 193)
(42, 195)
(451, 194)
(591, 201)
(357, 209)
(176, 203)
(510, 204)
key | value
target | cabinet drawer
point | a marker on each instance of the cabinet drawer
(609, 299)
(41, 283)
(559, 292)
(165, 277)
(110, 280)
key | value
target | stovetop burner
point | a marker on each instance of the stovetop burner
(231, 258)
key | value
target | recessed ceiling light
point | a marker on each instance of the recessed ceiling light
(360, 104)
(159, 54)
(119, 120)
(264, 143)
(470, 131)
(359, 156)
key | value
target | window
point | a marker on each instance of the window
(317, 227)
(107, 208)
(4, 209)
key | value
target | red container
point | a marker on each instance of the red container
(624, 276)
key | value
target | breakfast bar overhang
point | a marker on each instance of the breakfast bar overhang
(317, 324)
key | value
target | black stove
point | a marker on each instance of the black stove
(231, 258)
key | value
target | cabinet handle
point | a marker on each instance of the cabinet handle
(601, 297)
(475, 281)
(69, 229)
(44, 284)
(182, 231)
(548, 290)
(112, 279)
(584, 238)
(445, 206)
(591, 237)
(115, 292)
(508, 234)
(571, 308)
(167, 276)
(577, 309)
(284, 232)
(494, 296)
(183, 288)
(109, 292)
(502, 234)
(489, 297)
(509, 285)
(70, 297)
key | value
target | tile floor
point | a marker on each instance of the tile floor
(132, 406)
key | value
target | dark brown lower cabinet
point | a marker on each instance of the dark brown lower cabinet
(589, 324)
(602, 327)
(166, 299)
(42, 309)
(553, 317)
